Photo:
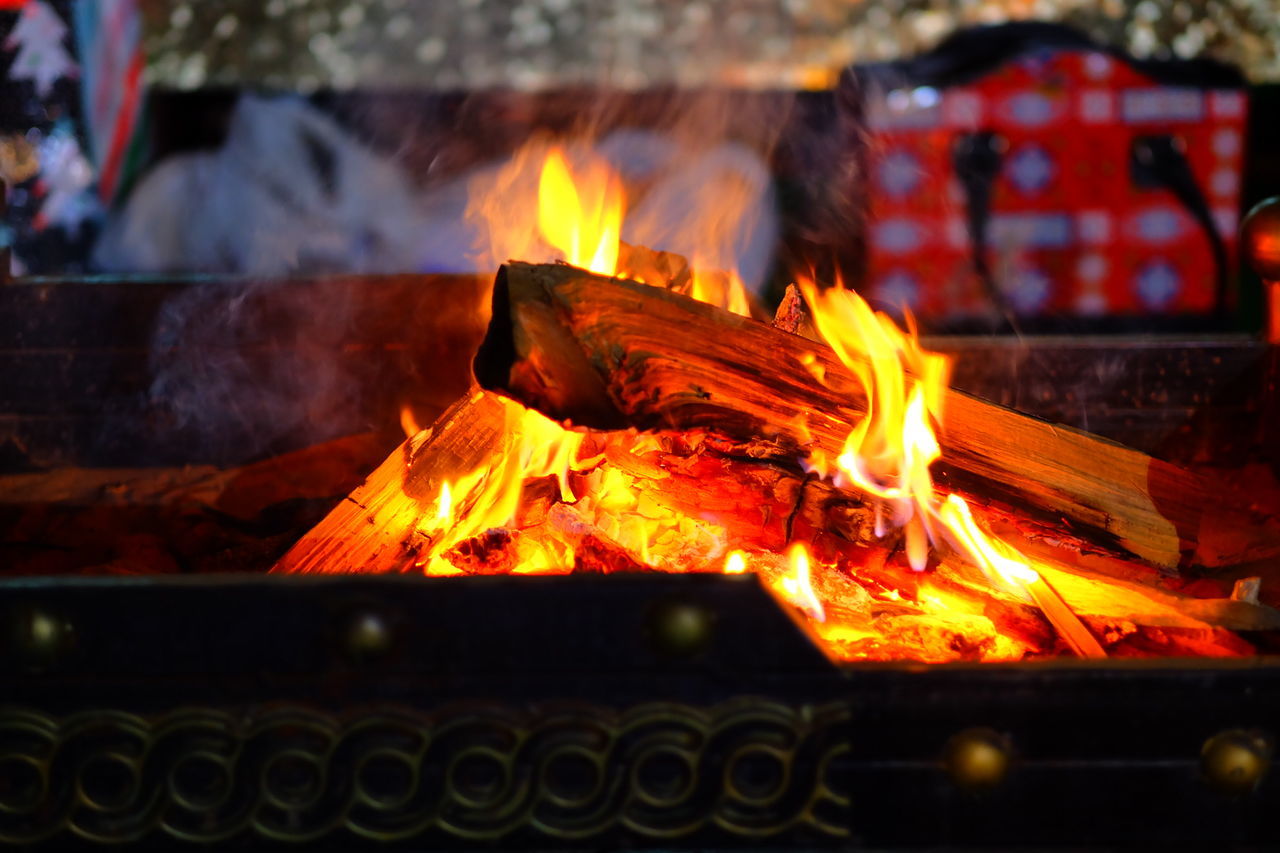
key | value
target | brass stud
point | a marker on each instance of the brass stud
(40, 638)
(680, 628)
(1235, 761)
(1260, 238)
(977, 759)
(368, 636)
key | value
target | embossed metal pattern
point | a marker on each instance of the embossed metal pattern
(748, 768)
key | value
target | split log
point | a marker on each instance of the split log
(375, 528)
(610, 353)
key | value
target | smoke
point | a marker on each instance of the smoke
(245, 369)
(380, 185)
(289, 190)
(695, 167)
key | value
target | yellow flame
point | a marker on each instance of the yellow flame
(735, 563)
(557, 199)
(489, 496)
(444, 507)
(986, 550)
(889, 452)
(581, 215)
(797, 584)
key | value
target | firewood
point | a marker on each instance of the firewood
(660, 269)
(610, 353)
(757, 504)
(376, 528)
(764, 507)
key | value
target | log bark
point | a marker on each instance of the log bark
(610, 353)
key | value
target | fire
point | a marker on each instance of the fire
(551, 499)
(797, 585)
(562, 201)
(581, 215)
(888, 453)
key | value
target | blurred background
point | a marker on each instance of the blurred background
(991, 165)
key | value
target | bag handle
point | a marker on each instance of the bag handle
(1159, 161)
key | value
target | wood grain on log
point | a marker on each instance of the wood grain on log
(610, 353)
(375, 528)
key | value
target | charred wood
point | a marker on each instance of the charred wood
(609, 354)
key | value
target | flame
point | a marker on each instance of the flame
(409, 421)
(581, 215)
(735, 563)
(558, 200)
(889, 452)
(986, 551)
(797, 585)
(724, 289)
(488, 497)
(444, 506)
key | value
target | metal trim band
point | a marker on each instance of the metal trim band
(748, 768)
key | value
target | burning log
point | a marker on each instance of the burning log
(876, 607)
(610, 353)
(374, 529)
(496, 488)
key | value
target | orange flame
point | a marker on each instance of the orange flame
(722, 289)
(581, 215)
(409, 421)
(798, 586)
(562, 201)
(489, 496)
(888, 453)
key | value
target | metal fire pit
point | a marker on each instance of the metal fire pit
(604, 711)
(583, 711)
